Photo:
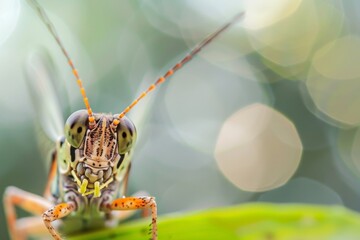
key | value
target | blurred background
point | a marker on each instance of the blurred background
(268, 112)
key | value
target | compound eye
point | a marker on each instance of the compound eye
(126, 135)
(75, 127)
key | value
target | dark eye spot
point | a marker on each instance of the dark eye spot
(72, 154)
(79, 130)
(64, 161)
(72, 137)
(131, 131)
(93, 164)
(62, 140)
(122, 156)
(124, 135)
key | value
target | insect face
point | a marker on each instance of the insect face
(96, 151)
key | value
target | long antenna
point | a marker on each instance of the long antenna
(180, 64)
(51, 28)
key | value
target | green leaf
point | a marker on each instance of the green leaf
(246, 222)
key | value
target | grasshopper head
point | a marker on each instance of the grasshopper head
(97, 149)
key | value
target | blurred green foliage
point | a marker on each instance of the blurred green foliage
(245, 222)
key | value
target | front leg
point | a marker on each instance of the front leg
(36, 205)
(134, 203)
(59, 211)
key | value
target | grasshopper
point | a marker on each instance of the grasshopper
(90, 165)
